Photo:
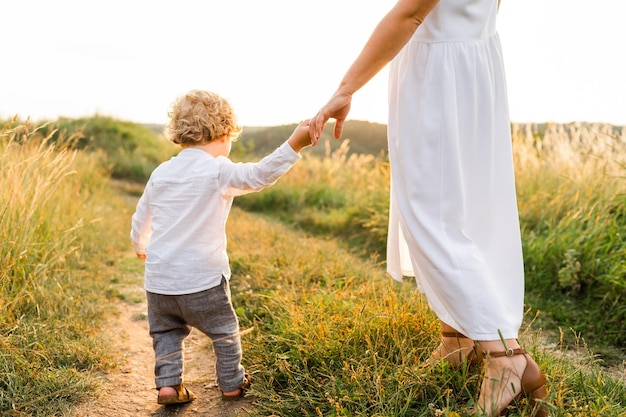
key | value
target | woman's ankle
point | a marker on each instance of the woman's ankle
(454, 347)
(493, 346)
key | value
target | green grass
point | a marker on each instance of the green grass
(342, 195)
(572, 196)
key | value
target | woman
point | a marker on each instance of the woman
(453, 215)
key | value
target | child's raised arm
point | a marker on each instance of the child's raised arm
(300, 137)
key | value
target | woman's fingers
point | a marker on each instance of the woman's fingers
(338, 131)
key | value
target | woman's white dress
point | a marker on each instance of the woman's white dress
(453, 215)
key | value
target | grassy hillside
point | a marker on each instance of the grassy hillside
(131, 150)
(371, 138)
(363, 137)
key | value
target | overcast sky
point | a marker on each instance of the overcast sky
(277, 61)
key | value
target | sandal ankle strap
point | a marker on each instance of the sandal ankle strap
(454, 334)
(508, 353)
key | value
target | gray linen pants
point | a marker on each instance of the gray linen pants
(211, 312)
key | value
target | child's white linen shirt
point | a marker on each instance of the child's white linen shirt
(180, 220)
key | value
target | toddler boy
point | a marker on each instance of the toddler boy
(179, 229)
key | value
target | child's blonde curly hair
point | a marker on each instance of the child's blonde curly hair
(199, 117)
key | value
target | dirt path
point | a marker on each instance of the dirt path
(129, 389)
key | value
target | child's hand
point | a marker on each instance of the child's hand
(300, 137)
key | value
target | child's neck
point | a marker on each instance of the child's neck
(214, 148)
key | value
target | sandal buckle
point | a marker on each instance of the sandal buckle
(509, 352)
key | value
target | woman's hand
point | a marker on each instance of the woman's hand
(337, 108)
(388, 38)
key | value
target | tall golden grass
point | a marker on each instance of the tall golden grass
(54, 204)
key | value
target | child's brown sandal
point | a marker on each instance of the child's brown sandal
(242, 390)
(183, 395)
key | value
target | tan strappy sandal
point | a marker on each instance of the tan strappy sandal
(452, 350)
(533, 385)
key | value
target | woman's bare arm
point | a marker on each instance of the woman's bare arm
(388, 38)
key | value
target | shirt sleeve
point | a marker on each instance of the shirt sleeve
(243, 178)
(141, 225)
